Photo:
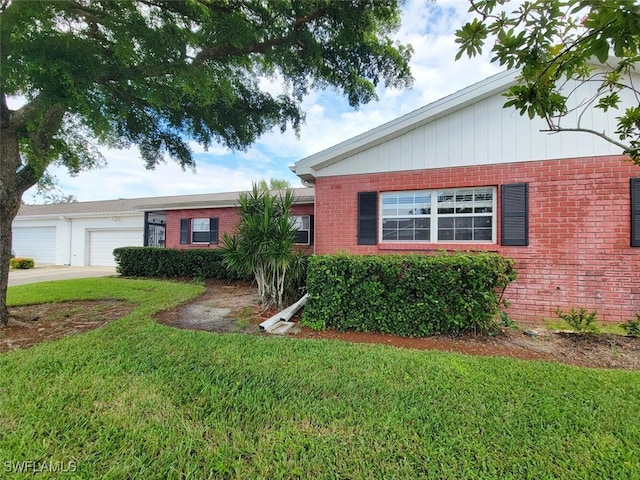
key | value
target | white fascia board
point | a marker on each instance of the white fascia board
(186, 206)
(207, 205)
(307, 167)
(64, 216)
(298, 200)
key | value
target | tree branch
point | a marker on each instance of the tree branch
(260, 47)
(28, 174)
(48, 127)
(18, 119)
(556, 129)
(90, 14)
(26, 178)
(4, 111)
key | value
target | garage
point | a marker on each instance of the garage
(38, 243)
(102, 243)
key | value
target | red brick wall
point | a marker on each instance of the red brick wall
(227, 220)
(579, 252)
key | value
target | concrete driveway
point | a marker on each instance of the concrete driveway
(56, 272)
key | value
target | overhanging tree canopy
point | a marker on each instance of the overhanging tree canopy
(555, 41)
(155, 73)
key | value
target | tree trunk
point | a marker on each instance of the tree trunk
(11, 189)
(37, 123)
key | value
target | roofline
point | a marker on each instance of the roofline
(306, 168)
(212, 204)
(302, 196)
(67, 216)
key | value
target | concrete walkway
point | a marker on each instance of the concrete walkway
(56, 272)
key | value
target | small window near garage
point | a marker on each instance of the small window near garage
(204, 230)
(452, 215)
(304, 227)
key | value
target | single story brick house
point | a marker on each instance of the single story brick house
(464, 173)
(460, 174)
(86, 233)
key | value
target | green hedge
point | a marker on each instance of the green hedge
(169, 262)
(409, 295)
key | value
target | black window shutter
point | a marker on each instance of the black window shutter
(145, 239)
(213, 230)
(367, 218)
(515, 214)
(312, 229)
(184, 231)
(635, 212)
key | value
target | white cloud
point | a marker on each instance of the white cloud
(126, 177)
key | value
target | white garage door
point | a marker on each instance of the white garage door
(38, 243)
(102, 243)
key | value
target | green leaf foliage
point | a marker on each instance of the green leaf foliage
(151, 73)
(409, 295)
(171, 262)
(552, 41)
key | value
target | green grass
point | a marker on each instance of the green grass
(136, 399)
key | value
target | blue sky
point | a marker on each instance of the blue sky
(428, 26)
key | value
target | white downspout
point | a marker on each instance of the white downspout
(70, 231)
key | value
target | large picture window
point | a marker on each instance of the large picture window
(452, 215)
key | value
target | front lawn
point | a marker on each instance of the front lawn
(136, 399)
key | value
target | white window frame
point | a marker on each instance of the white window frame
(299, 220)
(433, 215)
(193, 230)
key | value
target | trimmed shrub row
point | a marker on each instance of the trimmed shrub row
(169, 262)
(408, 295)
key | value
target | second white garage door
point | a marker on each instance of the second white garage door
(38, 243)
(102, 243)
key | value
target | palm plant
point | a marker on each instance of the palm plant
(263, 244)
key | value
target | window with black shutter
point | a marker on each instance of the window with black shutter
(367, 218)
(635, 212)
(515, 214)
